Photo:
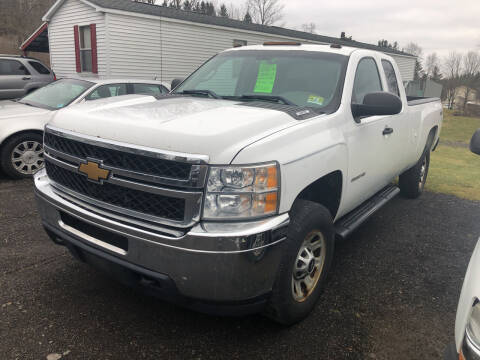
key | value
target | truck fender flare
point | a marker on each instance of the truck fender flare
(430, 141)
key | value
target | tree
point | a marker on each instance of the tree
(470, 76)
(436, 74)
(177, 4)
(310, 28)
(21, 17)
(414, 49)
(265, 12)
(223, 11)
(151, 2)
(431, 62)
(247, 18)
(210, 9)
(452, 66)
(384, 43)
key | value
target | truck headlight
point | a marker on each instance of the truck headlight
(242, 192)
(473, 327)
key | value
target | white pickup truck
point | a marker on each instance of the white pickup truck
(227, 195)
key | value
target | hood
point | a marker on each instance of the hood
(11, 109)
(217, 128)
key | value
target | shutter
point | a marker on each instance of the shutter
(77, 48)
(93, 36)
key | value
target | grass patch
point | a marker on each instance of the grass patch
(456, 171)
(453, 168)
(458, 128)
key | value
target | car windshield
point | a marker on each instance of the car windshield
(57, 95)
(302, 78)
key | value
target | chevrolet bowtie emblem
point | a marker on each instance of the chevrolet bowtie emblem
(93, 171)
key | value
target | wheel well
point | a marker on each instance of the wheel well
(39, 132)
(326, 191)
(431, 138)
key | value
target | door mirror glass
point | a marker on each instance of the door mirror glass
(475, 142)
(377, 103)
(176, 82)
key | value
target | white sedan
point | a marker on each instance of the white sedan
(22, 121)
(467, 323)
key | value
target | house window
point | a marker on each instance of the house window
(238, 43)
(85, 48)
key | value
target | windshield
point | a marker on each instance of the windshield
(57, 95)
(302, 78)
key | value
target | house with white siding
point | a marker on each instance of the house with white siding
(123, 38)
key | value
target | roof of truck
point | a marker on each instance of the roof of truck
(342, 50)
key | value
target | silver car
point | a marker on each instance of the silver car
(21, 75)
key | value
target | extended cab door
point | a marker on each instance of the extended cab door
(370, 149)
(403, 139)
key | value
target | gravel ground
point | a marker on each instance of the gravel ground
(391, 294)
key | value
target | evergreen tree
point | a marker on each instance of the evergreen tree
(418, 72)
(210, 9)
(223, 11)
(436, 75)
(247, 18)
(187, 5)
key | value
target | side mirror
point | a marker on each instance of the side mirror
(377, 103)
(475, 142)
(175, 83)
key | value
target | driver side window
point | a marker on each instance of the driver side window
(367, 80)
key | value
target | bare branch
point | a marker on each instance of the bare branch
(265, 12)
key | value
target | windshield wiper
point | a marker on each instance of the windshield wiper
(200, 92)
(274, 98)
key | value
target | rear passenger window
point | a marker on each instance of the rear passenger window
(106, 91)
(391, 77)
(367, 80)
(12, 67)
(149, 89)
(39, 68)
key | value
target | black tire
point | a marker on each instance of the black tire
(7, 149)
(306, 218)
(412, 181)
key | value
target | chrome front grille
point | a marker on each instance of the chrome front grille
(146, 184)
(120, 159)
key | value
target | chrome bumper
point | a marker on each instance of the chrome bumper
(213, 261)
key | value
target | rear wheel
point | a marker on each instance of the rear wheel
(22, 155)
(412, 181)
(308, 252)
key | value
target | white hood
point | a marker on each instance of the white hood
(11, 109)
(217, 128)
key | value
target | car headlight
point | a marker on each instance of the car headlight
(242, 192)
(473, 327)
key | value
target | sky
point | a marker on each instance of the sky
(436, 25)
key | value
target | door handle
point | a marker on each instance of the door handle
(27, 78)
(387, 131)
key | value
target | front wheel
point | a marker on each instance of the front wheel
(22, 155)
(412, 181)
(308, 252)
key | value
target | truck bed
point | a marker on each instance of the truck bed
(417, 100)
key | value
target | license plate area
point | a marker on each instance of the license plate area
(94, 234)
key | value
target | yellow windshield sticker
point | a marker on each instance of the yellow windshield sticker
(265, 78)
(314, 99)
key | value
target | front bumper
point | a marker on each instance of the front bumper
(212, 262)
